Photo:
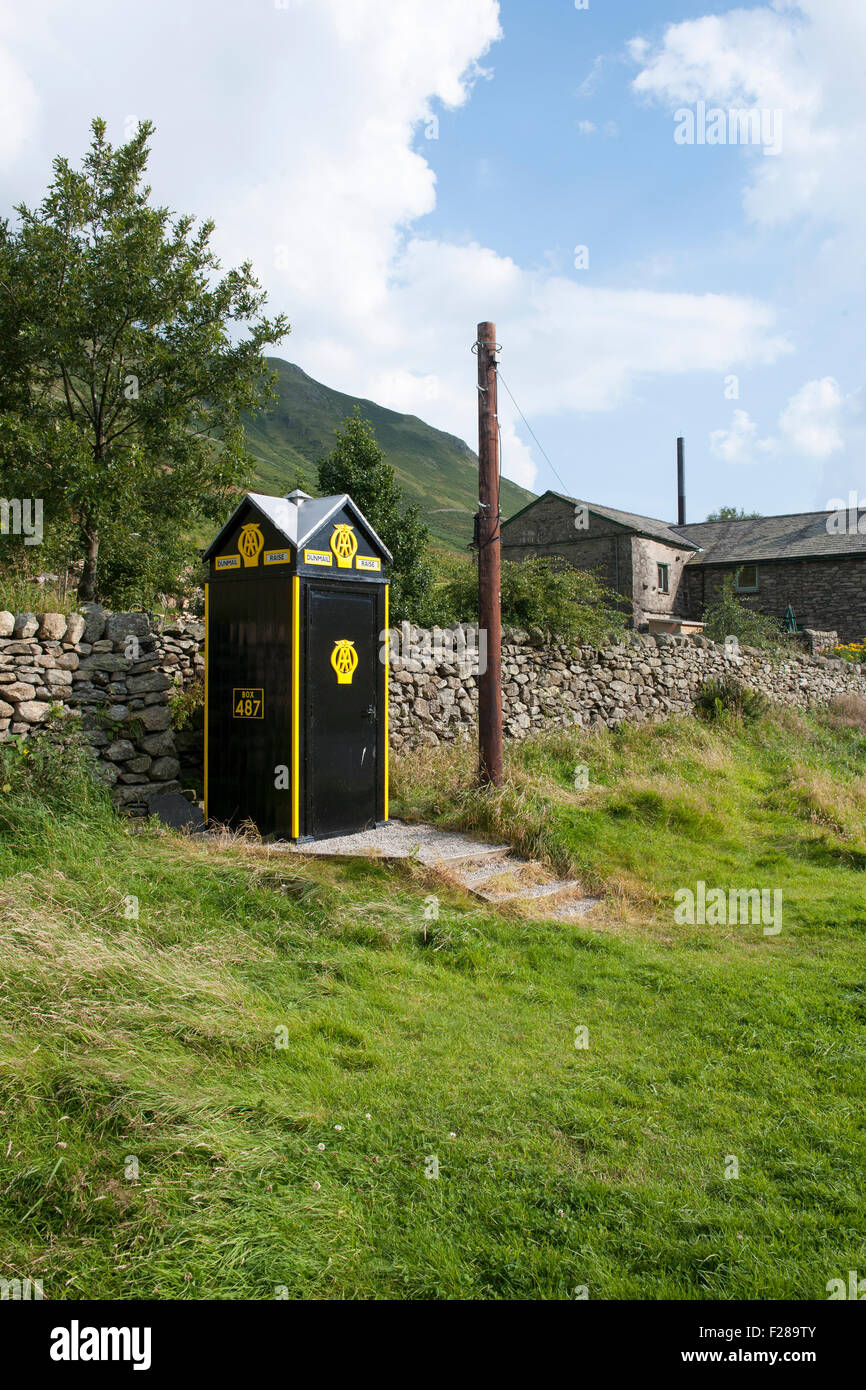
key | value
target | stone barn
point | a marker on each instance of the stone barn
(811, 562)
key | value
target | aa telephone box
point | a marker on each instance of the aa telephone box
(296, 689)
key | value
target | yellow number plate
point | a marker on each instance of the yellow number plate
(248, 704)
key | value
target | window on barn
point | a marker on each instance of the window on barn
(747, 579)
(664, 578)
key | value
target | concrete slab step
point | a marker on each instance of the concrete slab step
(528, 893)
(567, 911)
(473, 875)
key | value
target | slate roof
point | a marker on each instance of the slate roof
(297, 521)
(630, 521)
(800, 536)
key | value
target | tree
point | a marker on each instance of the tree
(543, 593)
(123, 370)
(731, 514)
(729, 616)
(358, 466)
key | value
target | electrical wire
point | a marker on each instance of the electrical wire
(532, 432)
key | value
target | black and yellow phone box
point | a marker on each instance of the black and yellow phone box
(296, 692)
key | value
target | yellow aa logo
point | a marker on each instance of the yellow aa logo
(344, 660)
(251, 543)
(344, 545)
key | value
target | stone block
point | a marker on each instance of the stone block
(53, 626)
(159, 745)
(95, 618)
(75, 625)
(151, 681)
(33, 711)
(153, 718)
(19, 690)
(120, 750)
(120, 626)
(165, 769)
(26, 626)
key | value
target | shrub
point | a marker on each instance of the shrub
(728, 616)
(47, 777)
(542, 593)
(728, 697)
(184, 703)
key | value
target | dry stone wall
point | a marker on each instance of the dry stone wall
(434, 699)
(117, 672)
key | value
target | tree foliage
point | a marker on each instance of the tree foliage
(731, 514)
(544, 594)
(728, 616)
(358, 466)
(126, 361)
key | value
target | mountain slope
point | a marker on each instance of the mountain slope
(436, 470)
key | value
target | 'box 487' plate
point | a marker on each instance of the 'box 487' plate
(247, 703)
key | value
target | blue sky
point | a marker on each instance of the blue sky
(303, 127)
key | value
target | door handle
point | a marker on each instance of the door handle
(370, 712)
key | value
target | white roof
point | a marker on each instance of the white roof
(300, 520)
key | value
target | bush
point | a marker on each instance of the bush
(729, 698)
(185, 703)
(49, 776)
(542, 593)
(728, 616)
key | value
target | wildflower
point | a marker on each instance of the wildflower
(317, 1187)
(338, 1127)
(321, 1148)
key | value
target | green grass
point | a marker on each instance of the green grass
(19, 594)
(560, 1167)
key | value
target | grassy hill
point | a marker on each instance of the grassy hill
(239, 1091)
(436, 470)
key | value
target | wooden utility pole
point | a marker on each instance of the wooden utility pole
(489, 566)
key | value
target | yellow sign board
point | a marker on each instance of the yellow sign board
(277, 557)
(344, 660)
(344, 544)
(228, 562)
(318, 557)
(251, 543)
(367, 562)
(248, 703)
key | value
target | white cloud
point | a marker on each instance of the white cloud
(812, 421)
(814, 425)
(18, 101)
(739, 444)
(305, 139)
(805, 59)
